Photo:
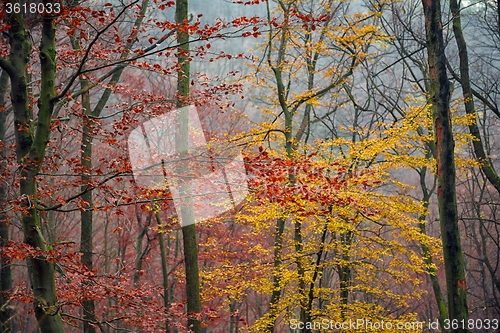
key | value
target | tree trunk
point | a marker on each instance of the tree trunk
(447, 202)
(181, 142)
(344, 271)
(280, 223)
(426, 253)
(30, 151)
(86, 234)
(5, 269)
(164, 263)
(486, 165)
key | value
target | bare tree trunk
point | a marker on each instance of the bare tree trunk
(181, 142)
(486, 165)
(87, 233)
(498, 18)
(280, 223)
(141, 251)
(344, 272)
(446, 191)
(163, 255)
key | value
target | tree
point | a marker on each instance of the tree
(318, 254)
(30, 150)
(336, 225)
(86, 234)
(463, 78)
(5, 269)
(446, 186)
(296, 36)
(187, 214)
(34, 126)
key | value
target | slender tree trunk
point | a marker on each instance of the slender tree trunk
(192, 277)
(163, 255)
(446, 191)
(141, 252)
(426, 253)
(233, 323)
(486, 164)
(277, 264)
(5, 269)
(344, 272)
(30, 151)
(86, 234)
(498, 18)
(280, 223)
(173, 279)
(181, 142)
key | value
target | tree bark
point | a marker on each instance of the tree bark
(164, 263)
(30, 152)
(426, 253)
(86, 234)
(181, 142)
(486, 164)
(5, 269)
(446, 191)
(281, 221)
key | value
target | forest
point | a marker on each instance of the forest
(232, 166)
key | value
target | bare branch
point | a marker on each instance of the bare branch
(87, 52)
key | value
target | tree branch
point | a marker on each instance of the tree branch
(86, 190)
(87, 53)
(7, 66)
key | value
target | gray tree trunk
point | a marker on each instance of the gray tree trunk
(486, 164)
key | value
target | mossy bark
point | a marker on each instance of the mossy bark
(446, 190)
(181, 142)
(30, 150)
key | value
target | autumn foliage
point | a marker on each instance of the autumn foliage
(339, 152)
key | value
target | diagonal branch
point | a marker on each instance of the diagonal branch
(87, 52)
(87, 189)
(7, 66)
(320, 93)
(483, 99)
